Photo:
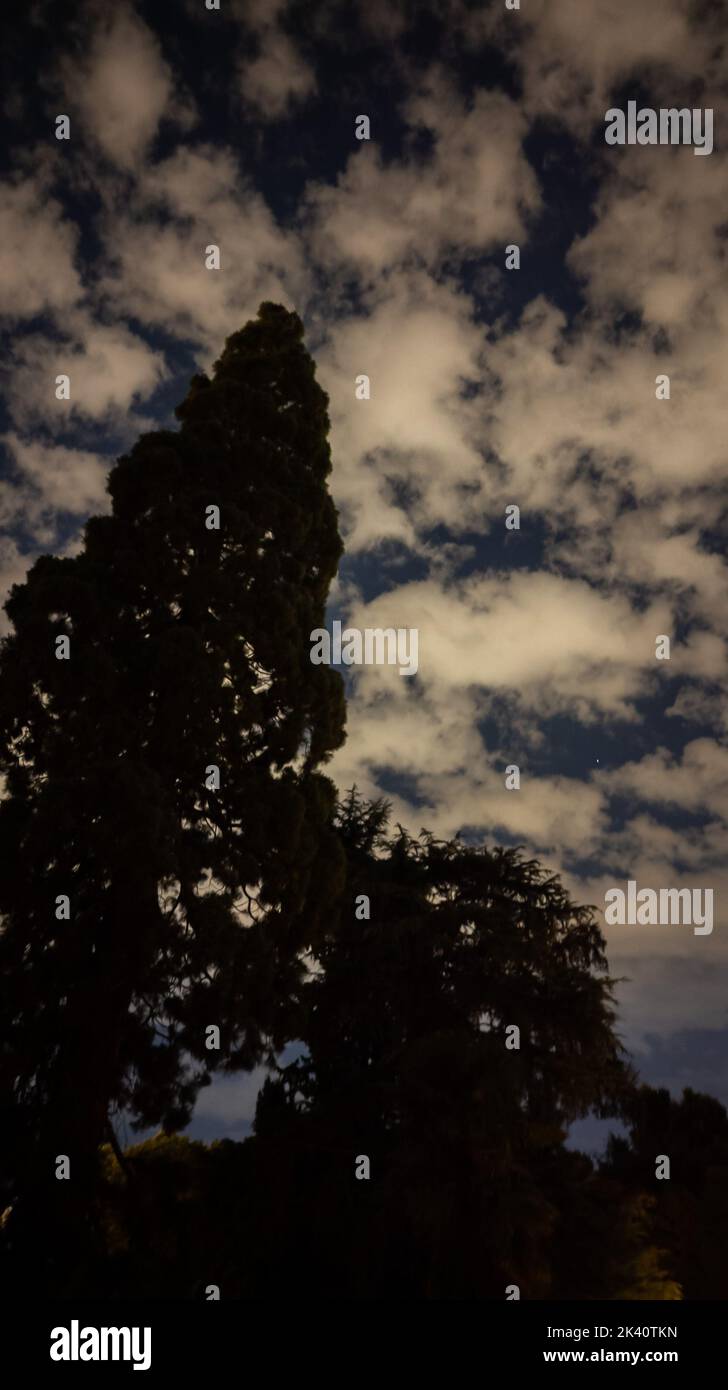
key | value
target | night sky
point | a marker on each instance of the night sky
(489, 387)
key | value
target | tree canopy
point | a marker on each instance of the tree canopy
(438, 951)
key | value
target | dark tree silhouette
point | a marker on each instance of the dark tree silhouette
(197, 1214)
(691, 1207)
(189, 903)
(604, 1244)
(404, 1060)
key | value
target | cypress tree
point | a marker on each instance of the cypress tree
(165, 820)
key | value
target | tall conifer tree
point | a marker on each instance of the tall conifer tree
(188, 902)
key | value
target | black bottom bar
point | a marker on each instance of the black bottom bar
(202, 1341)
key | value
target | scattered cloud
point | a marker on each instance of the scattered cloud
(48, 481)
(277, 78)
(38, 247)
(109, 368)
(120, 88)
(380, 216)
(155, 248)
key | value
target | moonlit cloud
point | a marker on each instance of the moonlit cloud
(381, 216)
(568, 74)
(278, 77)
(109, 368)
(36, 238)
(121, 87)
(52, 480)
(155, 248)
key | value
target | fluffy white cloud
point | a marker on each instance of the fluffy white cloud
(109, 367)
(277, 78)
(698, 780)
(418, 346)
(572, 53)
(505, 632)
(501, 636)
(157, 267)
(658, 242)
(563, 395)
(49, 480)
(13, 566)
(121, 87)
(476, 189)
(37, 251)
